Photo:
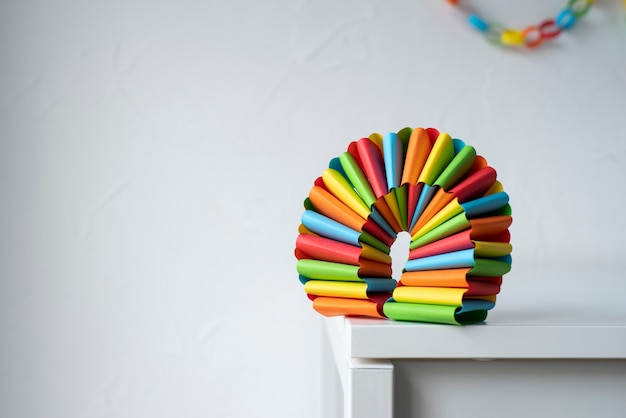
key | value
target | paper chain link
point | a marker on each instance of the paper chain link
(533, 35)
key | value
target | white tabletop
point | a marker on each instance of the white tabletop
(548, 314)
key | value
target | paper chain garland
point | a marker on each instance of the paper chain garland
(423, 182)
(534, 35)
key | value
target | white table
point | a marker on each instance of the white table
(555, 345)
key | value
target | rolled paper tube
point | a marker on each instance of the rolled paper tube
(430, 295)
(404, 135)
(417, 153)
(378, 285)
(325, 249)
(440, 156)
(326, 270)
(458, 145)
(482, 288)
(328, 306)
(320, 183)
(460, 165)
(496, 266)
(393, 156)
(436, 278)
(304, 230)
(432, 313)
(357, 178)
(479, 163)
(377, 139)
(400, 194)
(444, 295)
(373, 168)
(502, 236)
(475, 185)
(335, 164)
(503, 211)
(329, 228)
(355, 290)
(456, 259)
(371, 268)
(478, 303)
(359, 290)
(491, 267)
(328, 205)
(354, 152)
(342, 190)
(413, 194)
(490, 225)
(303, 279)
(444, 278)
(485, 205)
(392, 204)
(487, 249)
(496, 187)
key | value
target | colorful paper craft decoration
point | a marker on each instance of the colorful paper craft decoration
(423, 182)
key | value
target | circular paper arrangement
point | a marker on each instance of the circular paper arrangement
(423, 182)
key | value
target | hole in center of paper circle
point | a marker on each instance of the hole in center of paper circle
(399, 254)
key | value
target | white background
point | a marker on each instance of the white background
(154, 156)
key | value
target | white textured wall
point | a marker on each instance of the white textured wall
(154, 156)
